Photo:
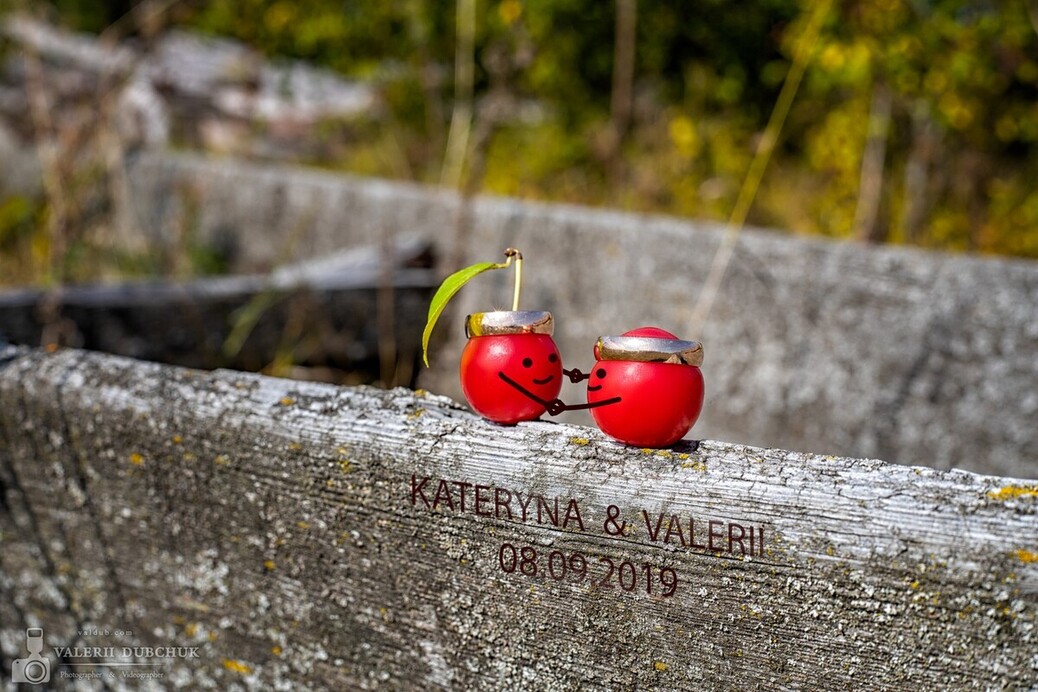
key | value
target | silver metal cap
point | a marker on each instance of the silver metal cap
(646, 349)
(509, 322)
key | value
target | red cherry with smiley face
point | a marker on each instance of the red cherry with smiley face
(660, 391)
(510, 368)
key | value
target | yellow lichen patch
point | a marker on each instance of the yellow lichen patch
(287, 401)
(696, 465)
(750, 611)
(177, 439)
(416, 414)
(276, 650)
(1011, 492)
(582, 441)
(295, 447)
(344, 465)
(329, 483)
(915, 584)
(191, 630)
(420, 393)
(222, 460)
(683, 456)
(660, 665)
(303, 525)
(270, 565)
(664, 453)
(189, 456)
(647, 451)
(136, 459)
(236, 666)
(1025, 555)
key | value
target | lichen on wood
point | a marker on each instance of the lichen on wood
(344, 541)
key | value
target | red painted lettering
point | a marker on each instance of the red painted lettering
(692, 535)
(732, 539)
(444, 492)
(541, 504)
(499, 503)
(416, 490)
(573, 512)
(480, 499)
(653, 533)
(462, 486)
(674, 522)
(523, 505)
(710, 534)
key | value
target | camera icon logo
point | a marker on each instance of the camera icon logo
(34, 669)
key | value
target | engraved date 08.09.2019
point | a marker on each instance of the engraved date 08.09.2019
(606, 573)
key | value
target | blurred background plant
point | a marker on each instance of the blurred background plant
(916, 123)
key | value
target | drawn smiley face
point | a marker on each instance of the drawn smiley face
(509, 378)
(554, 372)
(599, 375)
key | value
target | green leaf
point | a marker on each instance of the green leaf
(451, 285)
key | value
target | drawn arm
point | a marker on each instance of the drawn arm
(556, 406)
(523, 390)
(590, 405)
(575, 375)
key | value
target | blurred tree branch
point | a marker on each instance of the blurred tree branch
(464, 80)
(622, 96)
(870, 189)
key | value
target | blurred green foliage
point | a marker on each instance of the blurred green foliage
(943, 93)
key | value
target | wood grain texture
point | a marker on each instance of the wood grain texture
(271, 523)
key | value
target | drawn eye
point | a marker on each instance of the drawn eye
(600, 372)
(527, 362)
(552, 358)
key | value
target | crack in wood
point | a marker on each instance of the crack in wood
(258, 526)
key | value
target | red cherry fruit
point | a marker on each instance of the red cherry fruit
(531, 361)
(659, 402)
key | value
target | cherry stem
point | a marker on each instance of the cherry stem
(511, 253)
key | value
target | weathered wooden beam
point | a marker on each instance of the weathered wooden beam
(288, 530)
(326, 312)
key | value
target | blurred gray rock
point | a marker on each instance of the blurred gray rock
(203, 90)
(911, 356)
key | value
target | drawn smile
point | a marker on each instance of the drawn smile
(546, 380)
(594, 389)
